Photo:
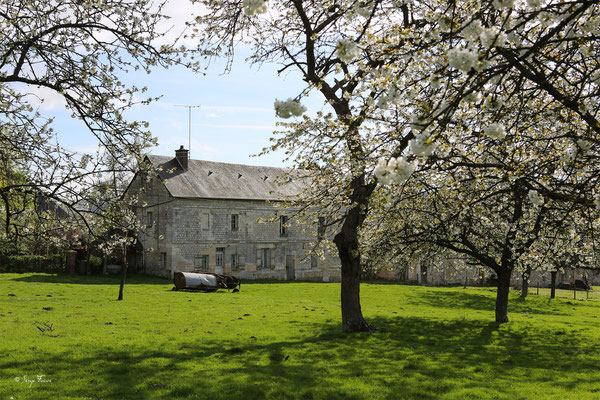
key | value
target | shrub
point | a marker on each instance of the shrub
(96, 264)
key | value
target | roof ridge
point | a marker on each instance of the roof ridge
(223, 162)
(215, 179)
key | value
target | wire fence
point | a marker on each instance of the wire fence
(567, 293)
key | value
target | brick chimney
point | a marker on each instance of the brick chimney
(182, 156)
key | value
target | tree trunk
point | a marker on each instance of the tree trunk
(347, 244)
(525, 283)
(553, 284)
(502, 295)
(88, 270)
(123, 272)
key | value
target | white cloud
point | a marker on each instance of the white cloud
(199, 150)
(244, 127)
(180, 12)
(239, 109)
(213, 115)
(90, 149)
(44, 98)
(219, 108)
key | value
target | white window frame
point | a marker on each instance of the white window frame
(219, 254)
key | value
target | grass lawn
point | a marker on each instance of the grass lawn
(283, 340)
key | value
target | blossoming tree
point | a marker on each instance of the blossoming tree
(480, 200)
(76, 51)
(339, 48)
(408, 82)
(508, 97)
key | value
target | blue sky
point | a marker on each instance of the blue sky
(236, 117)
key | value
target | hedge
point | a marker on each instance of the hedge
(26, 263)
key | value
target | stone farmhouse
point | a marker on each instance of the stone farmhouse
(222, 218)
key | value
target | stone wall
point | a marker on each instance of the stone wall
(454, 271)
(200, 227)
(153, 211)
(183, 231)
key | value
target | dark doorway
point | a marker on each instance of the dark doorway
(289, 267)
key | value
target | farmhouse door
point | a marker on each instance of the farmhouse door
(289, 267)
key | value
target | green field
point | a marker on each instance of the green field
(283, 340)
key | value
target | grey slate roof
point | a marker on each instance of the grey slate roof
(216, 180)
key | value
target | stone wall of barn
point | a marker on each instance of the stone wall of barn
(205, 238)
(199, 235)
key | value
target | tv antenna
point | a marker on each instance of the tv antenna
(189, 107)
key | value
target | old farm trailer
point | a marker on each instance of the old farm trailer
(206, 282)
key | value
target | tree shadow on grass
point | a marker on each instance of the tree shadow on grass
(132, 279)
(457, 299)
(280, 282)
(413, 358)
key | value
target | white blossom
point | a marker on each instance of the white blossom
(585, 146)
(401, 169)
(472, 31)
(347, 50)
(392, 96)
(435, 81)
(514, 38)
(362, 11)
(396, 170)
(535, 198)
(502, 4)
(591, 25)
(288, 108)
(473, 97)
(535, 4)
(417, 124)
(381, 171)
(493, 102)
(570, 154)
(253, 7)
(495, 131)
(546, 19)
(462, 59)
(422, 145)
(492, 36)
